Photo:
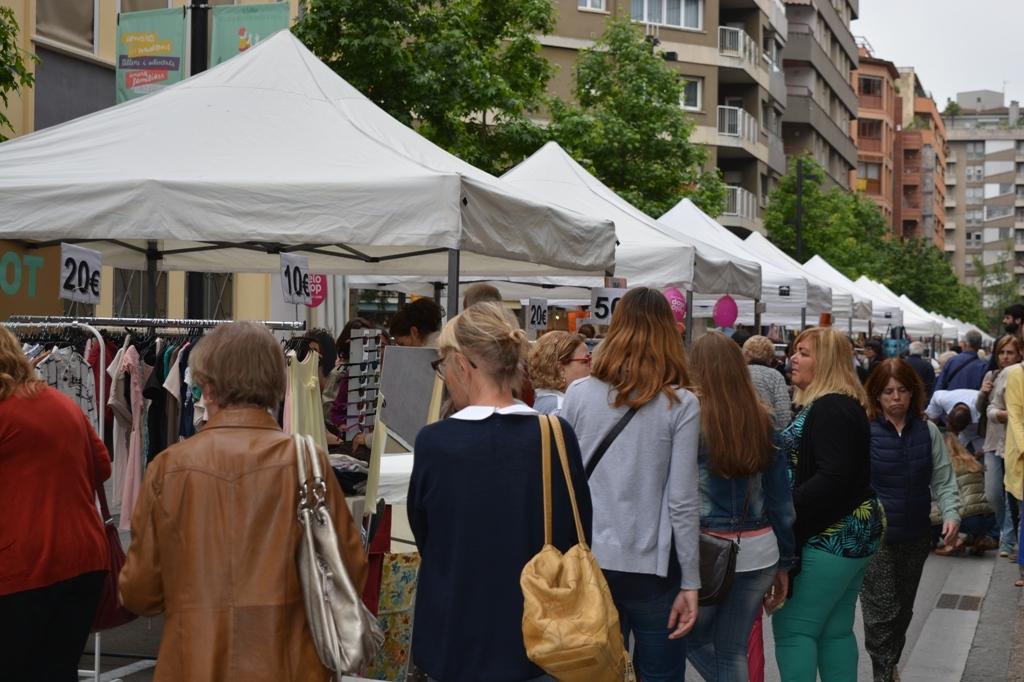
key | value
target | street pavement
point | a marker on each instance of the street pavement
(968, 625)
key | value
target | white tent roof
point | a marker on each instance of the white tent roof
(845, 302)
(781, 291)
(915, 323)
(884, 313)
(949, 330)
(272, 149)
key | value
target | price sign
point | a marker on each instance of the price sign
(80, 274)
(537, 317)
(603, 302)
(295, 279)
(317, 290)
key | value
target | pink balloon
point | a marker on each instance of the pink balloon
(677, 301)
(725, 311)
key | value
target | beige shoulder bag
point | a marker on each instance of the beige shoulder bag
(346, 634)
(570, 623)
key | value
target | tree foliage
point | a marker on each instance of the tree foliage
(467, 73)
(998, 285)
(850, 232)
(14, 66)
(627, 126)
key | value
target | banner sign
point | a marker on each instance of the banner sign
(317, 290)
(603, 302)
(537, 314)
(150, 52)
(80, 274)
(295, 279)
(236, 28)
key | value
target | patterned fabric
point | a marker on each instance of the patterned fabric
(397, 596)
(855, 536)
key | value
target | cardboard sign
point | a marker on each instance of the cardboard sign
(80, 270)
(603, 302)
(537, 314)
(295, 279)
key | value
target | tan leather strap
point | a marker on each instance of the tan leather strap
(556, 427)
(545, 469)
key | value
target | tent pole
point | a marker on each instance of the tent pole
(688, 333)
(757, 315)
(152, 255)
(803, 318)
(453, 283)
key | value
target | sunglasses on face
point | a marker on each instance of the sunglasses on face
(585, 360)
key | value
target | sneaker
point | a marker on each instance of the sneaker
(1004, 552)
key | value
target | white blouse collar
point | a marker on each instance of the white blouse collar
(476, 413)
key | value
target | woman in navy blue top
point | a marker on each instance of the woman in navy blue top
(476, 508)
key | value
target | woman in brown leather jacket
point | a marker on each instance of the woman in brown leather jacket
(215, 532)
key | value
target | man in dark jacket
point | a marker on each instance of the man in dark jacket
(966, 370)
(923, 368)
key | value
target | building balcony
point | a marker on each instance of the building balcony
(912, 202)
(869, 144)
(736, 122)
(951, 157)
(950, 201)
(801, 108)
(741, 208)
(950, 180)
(870, 102)
(739, 50)
(778, 19)
(776, 154)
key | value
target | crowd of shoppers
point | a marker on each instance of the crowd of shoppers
(827, 493)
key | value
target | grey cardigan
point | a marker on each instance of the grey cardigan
(645, 490)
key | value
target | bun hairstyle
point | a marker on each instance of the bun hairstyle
(487, 334)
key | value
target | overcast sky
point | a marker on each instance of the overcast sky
(955, 45)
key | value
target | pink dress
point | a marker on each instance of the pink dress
(133, 467)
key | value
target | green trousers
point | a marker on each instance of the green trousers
(814, 630)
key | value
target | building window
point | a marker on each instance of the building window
(975, 150)
(591, 4)
(975, 173)
(974, 195)
(869, 171)
(996, 212)
(70, 22)
(1004, 233)
(693, 93)
(997, 189)
(871, 86)
(973, 217)
(974, 239)
(869, 128)
(679, 13)
(998, 167)
(143, 5)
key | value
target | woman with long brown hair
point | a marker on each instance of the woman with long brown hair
(909, 468)
(638, 428)
(745, 496)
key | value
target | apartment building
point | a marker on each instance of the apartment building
(922, 160)
(819, 60)
(729, 52)
(876, 133)
(985, 186)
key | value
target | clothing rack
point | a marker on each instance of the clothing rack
(147, 322)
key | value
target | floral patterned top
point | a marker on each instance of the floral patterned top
(856, 535)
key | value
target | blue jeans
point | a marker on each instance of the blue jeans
(717, 647)
(656, 658)
(995, 468)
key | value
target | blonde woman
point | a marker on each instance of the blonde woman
(839, 521)
(646, 498)
(556, 360)
(476, 508)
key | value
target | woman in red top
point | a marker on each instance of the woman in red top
(53, 551)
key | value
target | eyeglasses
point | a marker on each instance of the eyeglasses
(585, 360)
(436, 365)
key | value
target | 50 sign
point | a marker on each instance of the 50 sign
(603, 302)
(80, 274)
(295, 279)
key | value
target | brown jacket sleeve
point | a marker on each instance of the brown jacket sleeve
(349, 537)
(141, 582)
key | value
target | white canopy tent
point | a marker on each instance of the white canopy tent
(916, 324)
(648, 253)
(269, 152)
(949, 330)
(884, 314)
(784, 293)
(846, 303)
(964, 327)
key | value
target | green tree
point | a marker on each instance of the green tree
(627, 126)
(467, 73)
(998, 286)
(14, 66)
(851, 233)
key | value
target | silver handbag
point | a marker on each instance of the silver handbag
(346, 635)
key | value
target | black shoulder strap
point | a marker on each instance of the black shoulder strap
(608, 440)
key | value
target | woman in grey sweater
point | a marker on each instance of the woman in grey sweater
(644, 489)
